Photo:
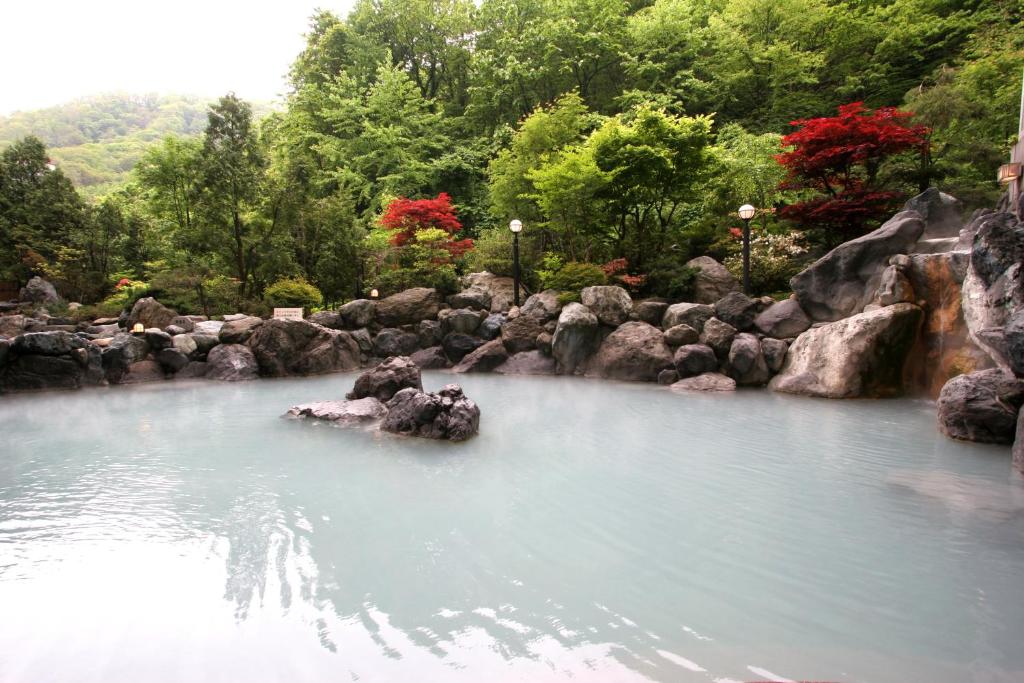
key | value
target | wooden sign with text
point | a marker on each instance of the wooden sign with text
(287, 314)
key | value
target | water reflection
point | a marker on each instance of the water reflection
(594, 531)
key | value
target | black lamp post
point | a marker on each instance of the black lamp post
(746, 212)
(516, 226)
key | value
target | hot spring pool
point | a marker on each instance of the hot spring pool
(594, 530)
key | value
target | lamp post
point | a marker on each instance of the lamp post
(746, 212)
(516, 226)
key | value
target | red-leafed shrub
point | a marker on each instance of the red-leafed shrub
(839, 157)
(405, 216)
(616, 271)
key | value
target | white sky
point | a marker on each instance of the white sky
(52, 51)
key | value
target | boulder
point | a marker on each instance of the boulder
(151, 313)
(144, 371)
(430, 333)
(477, 298)
(861, 356)
(194, 370)
(363, 340)
(184, 322)
(394, 342)
(650, 311)
(172, 360)
(666, 377)
(12, 325)
(634, 351)
(360, 312)
(746, 361)
(843, 281)
(718, 335)
(359, 411)
(1018, 443)
(491, 326)
(521, 334)
(208, 328)
(120, 353)
(500, 288)
(738, 310)
(231, 363)
(611, 304)
(298, 347)
(172, 330)
(157, 339)
(47, 343)
(774, 351)
(386, 379)
(527, 363)
(456, 345)
(331, 319)
(38, 372)
(408, 307)
(694, 359)
(543, 305)
(239, 330)
(782, 320)
(204, 343)
(713, 280)
(544, 340)
(483, 359)
(1014, 335)
(461, 320)
(39, 291)
(981, 406)
(680, 335)
(575, 339)
(430, 359)
(942, 213)
(894, 287)
(708, 381)
(448, 414)
(694, 315)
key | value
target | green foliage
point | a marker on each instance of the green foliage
(774, 259)
(570, 277)
(292, 293)
(670, 278)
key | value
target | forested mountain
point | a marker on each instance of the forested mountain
(97, 140)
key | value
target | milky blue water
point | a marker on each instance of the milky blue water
(594, 531)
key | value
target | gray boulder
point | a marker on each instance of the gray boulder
(194, 370)
(239, 330)
(457, 345)
(120, 353)
(681, 334)
(183, 322)
(843, 281)
(894, 287)
(576, 337)
(331, 319)
(491, 326)
(430, 333)
(172, 360)
(746, 361)
(666, 377)
(527, 363)
(483, 359)
(231, 363)
(981, 406)
(774, 351)
(49, 360)
(204, 343)
(359, 411)
(172, 330)
(635, 351)
(298, 347)
(151, 313)
(39, 291)
(694, 359)
(499, 287)
(1018, 443)
(477, 298)
(708, 381)
(157, 339)
(694, 315)
(782, 320)
(408, 307)
(144, 371)
(363, 340)
(543, 305)
(12, 325)
(208, 328)
(544, 340)
(611, 304)
(738, 310)
(713, 280)
(861, 356)
(394, 342)
(942, 213)
(461, 320)
(718, 335)
(386, 379)
(448, 414)
(430, 359)
(359, 313)
(521, 334)
(650, 311)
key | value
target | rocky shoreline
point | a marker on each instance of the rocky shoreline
(925, 305)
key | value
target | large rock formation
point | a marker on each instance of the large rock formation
(231, 363)
(521, 334)
(981, 406)
(297, 347)
(575, 339)
(635, 351)
(39, 291)
(49, 360)
(609, 303)
(842, 282)
(942, 213)
(713, 280)
(386, 379)
(782, 320)
(151, 313)
(542, 305)
(408, 307)
(394, 342)
(500, 289)
(239, 330)
(448, 414)
(359, 411)
(484, 358)
(861, 356)
(694, 315)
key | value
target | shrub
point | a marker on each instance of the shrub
(774, 259)
(570, 277)
(670, 279)
(292, 293)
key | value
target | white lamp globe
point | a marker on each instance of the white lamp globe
(516, 225)
(747, 212)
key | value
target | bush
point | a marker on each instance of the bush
(774, 259)
(670, 279)
(569, 277)
(292, 293)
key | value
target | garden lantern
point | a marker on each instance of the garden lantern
(374, 294)
(516, 226)
(138, 328)
(746, 212)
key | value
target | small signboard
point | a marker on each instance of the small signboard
(287, 314)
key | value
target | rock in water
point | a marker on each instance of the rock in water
(713, 280)
(843, 281)
(634, 351)
(527, 363)
(521, 334)
(231, 363)
(708, 381)
(981, 406)
(782, 320)
(448, 414)
(298, 347)
(483, 359)
(861, 356)
(358, 411)
(432, 358)
(387, 379)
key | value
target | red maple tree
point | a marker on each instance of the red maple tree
(405, 216)
(839, 157)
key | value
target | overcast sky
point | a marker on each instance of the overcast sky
(52, 51)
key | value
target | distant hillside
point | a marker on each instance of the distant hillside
(97, 140)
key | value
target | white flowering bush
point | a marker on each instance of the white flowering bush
(774, 259)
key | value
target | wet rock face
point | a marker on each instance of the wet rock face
(861, 356)
(448, 414)
(49, 360)
(408, 307)
(299, 347)
(527, 363)
(358, 411)
(981, 406)
(782, 320)
(386, 379)
(483, 359)
(231, 363)
(843, 281)
(576, 337)
(635, 351)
